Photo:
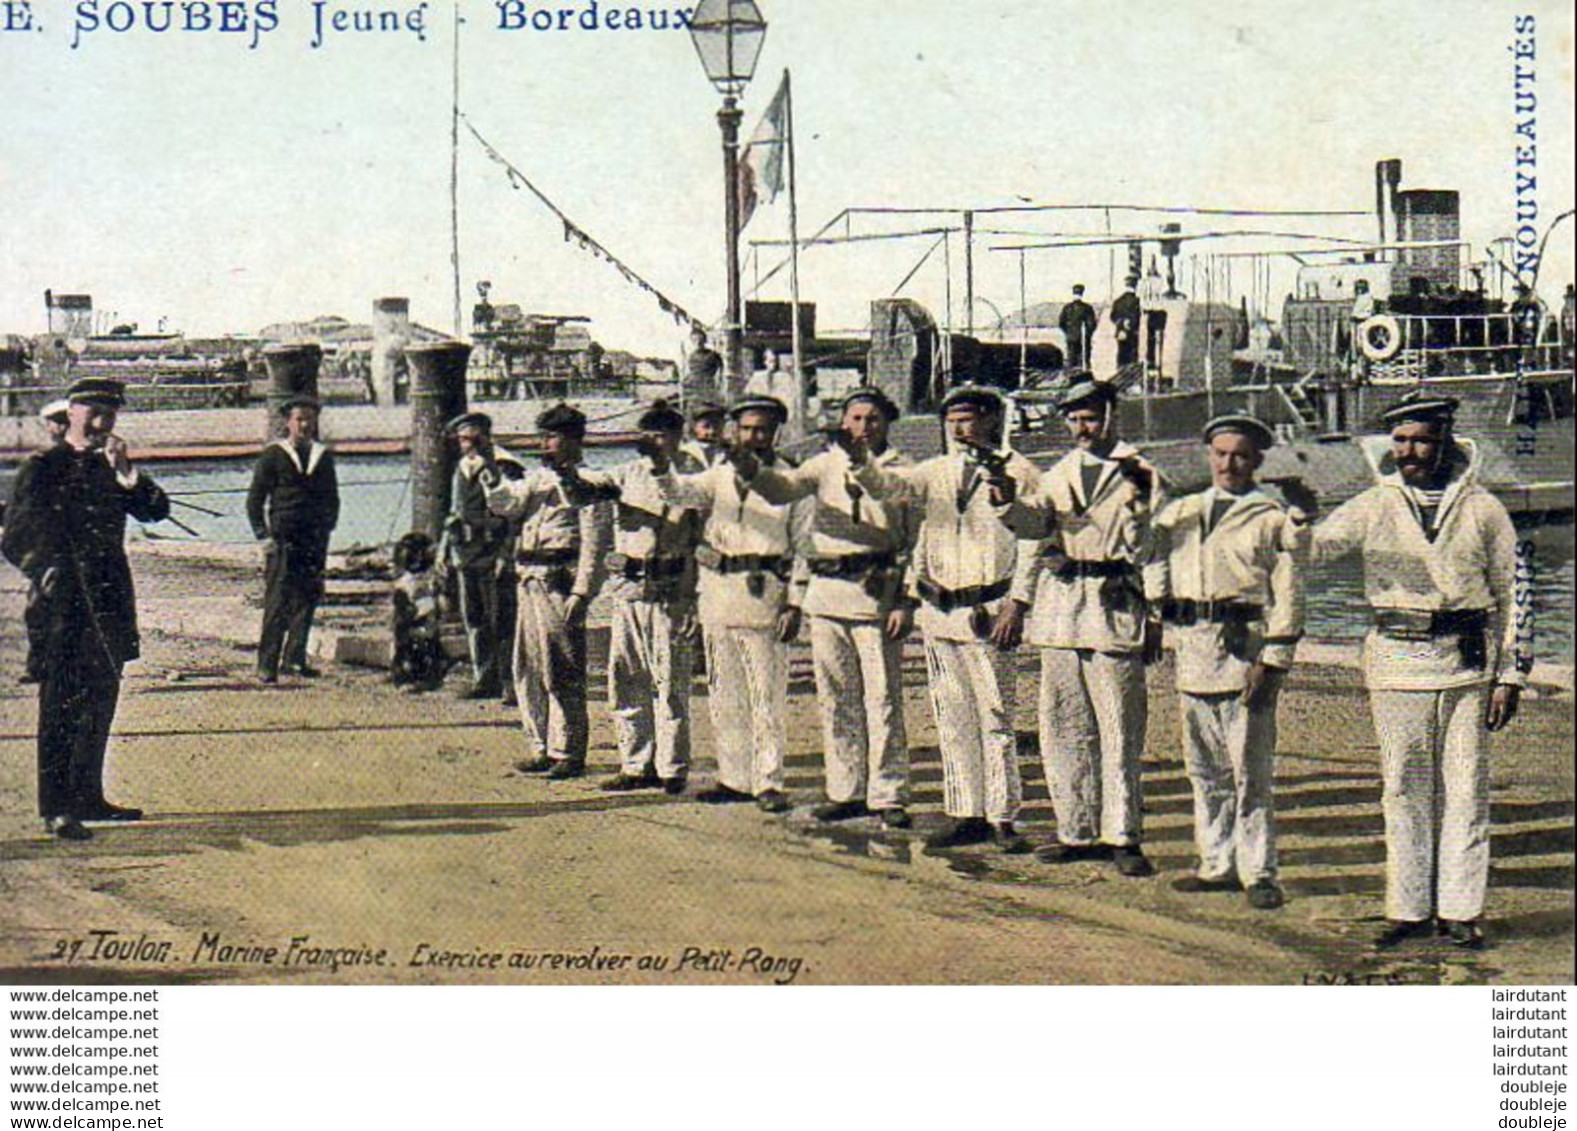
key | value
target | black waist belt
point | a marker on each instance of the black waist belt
(1068, 569)
(637, 569)
(1422, 624)
(753, 563)
(947, 600)
(547, 557)
(850, 565)
(1186, 612)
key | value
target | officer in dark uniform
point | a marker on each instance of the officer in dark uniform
(1127, 313)
(1078, 321)
(479, 547)
(293, 506)
(66, 529)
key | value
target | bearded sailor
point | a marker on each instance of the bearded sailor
(1441, 661)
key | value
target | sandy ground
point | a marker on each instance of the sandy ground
(386, 833)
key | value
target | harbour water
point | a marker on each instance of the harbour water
(376, 509)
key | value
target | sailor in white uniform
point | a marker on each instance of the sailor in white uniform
(1089, 622)
(1224, 572)
(752, 588)
(973, 582)
(1441, 661)
(859, 611)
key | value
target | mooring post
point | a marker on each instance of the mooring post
(292, 372)
(391, 333)
(438, 395)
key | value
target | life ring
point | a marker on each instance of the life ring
(1380, 337)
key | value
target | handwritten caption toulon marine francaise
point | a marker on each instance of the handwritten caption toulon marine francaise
(302, 952)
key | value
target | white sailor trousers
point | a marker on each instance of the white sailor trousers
(649, 688)
(747, 688)
(550, 674)
(1092, 719)
(972, 695)
(859, 685)
(1436, 772)
(1230, 752)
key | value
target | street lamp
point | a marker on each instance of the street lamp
(728, 35)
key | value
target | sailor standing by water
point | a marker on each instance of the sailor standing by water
(860, 612)
(1089, 621)
(974, 581)
(293, 507)
(1223, 570)
(66, 531)
(1441, 662)
(480, 547)
(1127, 315)
(752, 587)
(559, 560)
(652, 579)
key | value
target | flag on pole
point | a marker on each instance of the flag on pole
(761, 165)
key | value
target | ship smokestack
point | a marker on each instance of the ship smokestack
(1387, 178)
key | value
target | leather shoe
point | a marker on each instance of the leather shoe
(675, 785)
(268, 677)
(625, 783)
(67, 828)
(1464, 933)
(959, 831)
(896, 818)
(1265, 895)
(721, 794)
(534, 766)
(104, 811)
(773, 801)
(1199, 885)
(1132, 862)
(568, 768)
(1060, 853)
(1397, 931)
(508, 697)
(840, 811)
(1010, 840)
(307, 671)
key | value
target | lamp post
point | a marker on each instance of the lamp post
(728, 35)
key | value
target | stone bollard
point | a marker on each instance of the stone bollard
(292, 372)
(391, 333)
(438, 372)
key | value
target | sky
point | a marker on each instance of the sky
(189, 177)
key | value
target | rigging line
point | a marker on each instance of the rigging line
(784, 262)
(915, 270)
(1165, 209)
(573, 231)
(1182, 237)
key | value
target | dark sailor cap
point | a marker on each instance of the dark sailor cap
(1419, 405)
(563, 419)
(661, 417)
(103, 391)
(1244, 425)
(759, 404)
(980, 396)
(1085, 389)
(875, 396)
(478, 420)
(702, 410)
(299, 400)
